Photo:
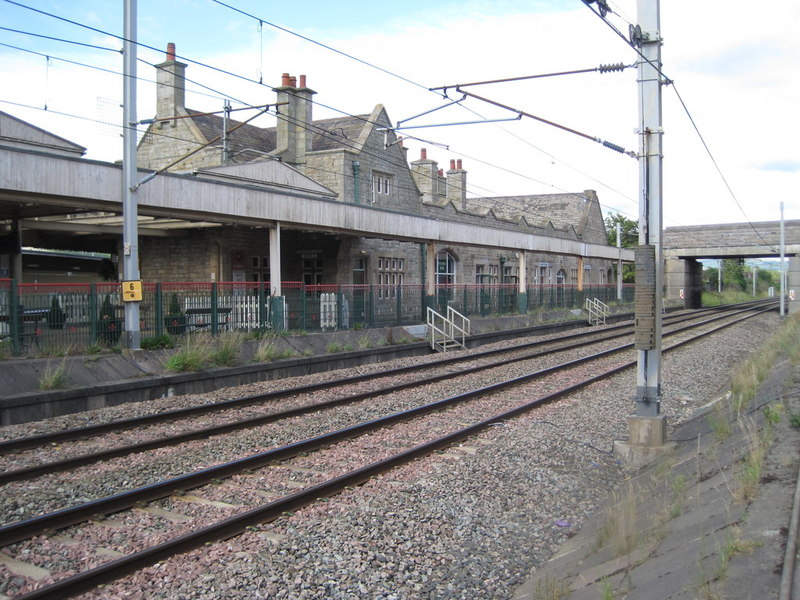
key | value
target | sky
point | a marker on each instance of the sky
(730, 116)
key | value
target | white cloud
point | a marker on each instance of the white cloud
(733, 64)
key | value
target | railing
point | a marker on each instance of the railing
(56, 318)
(596, 310)
(459, 325)
(449, 331)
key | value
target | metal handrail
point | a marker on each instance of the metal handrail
(597, 310)
(444, 330)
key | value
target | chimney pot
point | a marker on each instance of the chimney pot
(441, 172)
(302, 81)
(452, 164)
(293, 81)
(423, 154)
(285, 80)
(458, 164)
(171, 51)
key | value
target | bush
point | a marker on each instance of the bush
(110, 327)
(56, 315)
(193, 355)
(175, 321)
(267, 351)
(159, 342)
(54, 376)
(227, 349)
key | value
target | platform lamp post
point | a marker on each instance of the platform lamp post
(131, 283)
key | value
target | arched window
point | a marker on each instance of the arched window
(445, 268)
(561, 277)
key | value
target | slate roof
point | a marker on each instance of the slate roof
(338, 132)
(19, 132)
(562, 210)
(329, 134)
(245, 137)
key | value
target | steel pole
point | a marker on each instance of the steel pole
(130, 241)
(649, 268)
(619, 262)
(783, 267)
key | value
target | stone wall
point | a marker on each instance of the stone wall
(185, 258)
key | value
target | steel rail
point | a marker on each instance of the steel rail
(24, 529)
(25, 443)
(235, 525)
(73, 462)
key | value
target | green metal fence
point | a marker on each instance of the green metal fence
(58, 318)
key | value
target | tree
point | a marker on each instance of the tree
(109, 328)
(56, 315)
(733, 274)
(628, 228)
(710, 278)
(176, 318)
(629, 231)
(767, 278)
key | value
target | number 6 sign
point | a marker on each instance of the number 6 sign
(132, 291)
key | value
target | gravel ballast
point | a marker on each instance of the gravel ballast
(472, 522)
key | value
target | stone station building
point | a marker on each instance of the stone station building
(355, 159)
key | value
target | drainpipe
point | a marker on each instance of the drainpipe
(356, 170)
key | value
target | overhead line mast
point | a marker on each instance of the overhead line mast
(647, 427)
(131, 285)
(649, 258)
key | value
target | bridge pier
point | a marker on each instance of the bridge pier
(793, 285)
(684, 274)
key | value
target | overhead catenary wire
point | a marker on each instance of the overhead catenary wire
(62, 40)
(326, 46)
(511, 207)
(607, 144)
(139, 44)
(228, 72)
(497, 199)
(246, 107)
(217, 94)
(601, 68)
(262, 21)
(669, 81)
(609, 68)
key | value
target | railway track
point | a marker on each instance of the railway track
(32, 465)
(479, 407)
(447, 365)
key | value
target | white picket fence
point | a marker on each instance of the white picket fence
(239, 311)
(329, 311)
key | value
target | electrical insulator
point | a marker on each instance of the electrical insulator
(611, 68)
(614, 147)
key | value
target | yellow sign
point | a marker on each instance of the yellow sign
(132, 291)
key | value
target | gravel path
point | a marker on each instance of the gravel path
(471, 522)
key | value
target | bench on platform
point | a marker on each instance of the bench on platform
(200, 318)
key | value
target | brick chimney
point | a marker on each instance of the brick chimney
(170, 88)
(294, 119)
(457, 184)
